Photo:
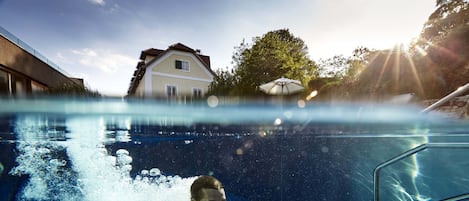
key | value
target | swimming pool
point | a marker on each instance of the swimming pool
(114, 149)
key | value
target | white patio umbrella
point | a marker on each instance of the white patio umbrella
(282, 86)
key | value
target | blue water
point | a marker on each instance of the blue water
(115, 149)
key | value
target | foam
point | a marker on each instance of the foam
(82, 169)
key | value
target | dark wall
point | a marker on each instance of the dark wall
(16, 59)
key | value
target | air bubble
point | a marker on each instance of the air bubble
(112, 160)
(144, 173)
(102, 150)
(123, 160)
(57, 162)
(155, 172)
(126, 168)
(122, 152)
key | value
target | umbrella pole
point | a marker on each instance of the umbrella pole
(281, 97)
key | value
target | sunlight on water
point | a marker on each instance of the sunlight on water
(96, 175)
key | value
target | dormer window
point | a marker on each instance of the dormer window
(182, 65)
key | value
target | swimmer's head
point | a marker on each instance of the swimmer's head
(207, 188)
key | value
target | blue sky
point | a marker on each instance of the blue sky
(101, 40)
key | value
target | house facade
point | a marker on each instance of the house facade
(177, 72)
(23, 71)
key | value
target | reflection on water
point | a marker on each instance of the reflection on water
(116, 150)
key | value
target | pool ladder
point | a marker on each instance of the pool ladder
(376, 176)
(376, 172)
(445, 99)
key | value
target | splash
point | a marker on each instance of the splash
(81, 168)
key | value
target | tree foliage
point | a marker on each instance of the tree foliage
(72, 90)
(444, 39)
(276, 54)
(437, 63)
(223, 84)
(340, 74)
(448, 16)
(333, 67)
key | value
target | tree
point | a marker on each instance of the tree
(333, 67)
(276, 54)
(72, 90)
(444, 43)
(340, 74)
(449, 61)
(448, 16)
(224, 82)
(357, 63)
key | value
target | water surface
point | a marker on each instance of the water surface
(114, 149)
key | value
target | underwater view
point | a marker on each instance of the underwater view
(115, 149)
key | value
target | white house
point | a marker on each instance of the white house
(177, 72)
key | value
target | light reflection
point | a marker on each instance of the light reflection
(421, 51)
(301, 103)
(1, 168)
(288, 114)
(239, 151)
(312, 95)
(278, 122)
(413, 169)
(212, 101)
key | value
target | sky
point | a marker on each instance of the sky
(101, 40)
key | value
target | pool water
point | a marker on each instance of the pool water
(113, 149)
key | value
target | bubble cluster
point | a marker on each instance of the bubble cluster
(123, 160)
(83, 168)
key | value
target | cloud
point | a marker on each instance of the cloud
(97, 2)
(104, 60)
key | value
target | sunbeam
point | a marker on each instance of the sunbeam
(413, 68)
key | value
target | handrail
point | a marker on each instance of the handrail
(445, 99)
(376, 176)
(456, 198)
(15, 40)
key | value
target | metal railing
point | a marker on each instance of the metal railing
(15, 40)
(445, 99)
(376, 175)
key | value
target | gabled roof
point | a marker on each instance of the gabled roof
(179, 47)
(157, 53)
(152, 52)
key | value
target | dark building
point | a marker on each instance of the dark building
(24, 71)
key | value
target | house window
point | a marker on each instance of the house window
(37, 87)
(182, 65)
(13, 84)
(196, 93)
(19, 85)
(4, 83)
(171, 90)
